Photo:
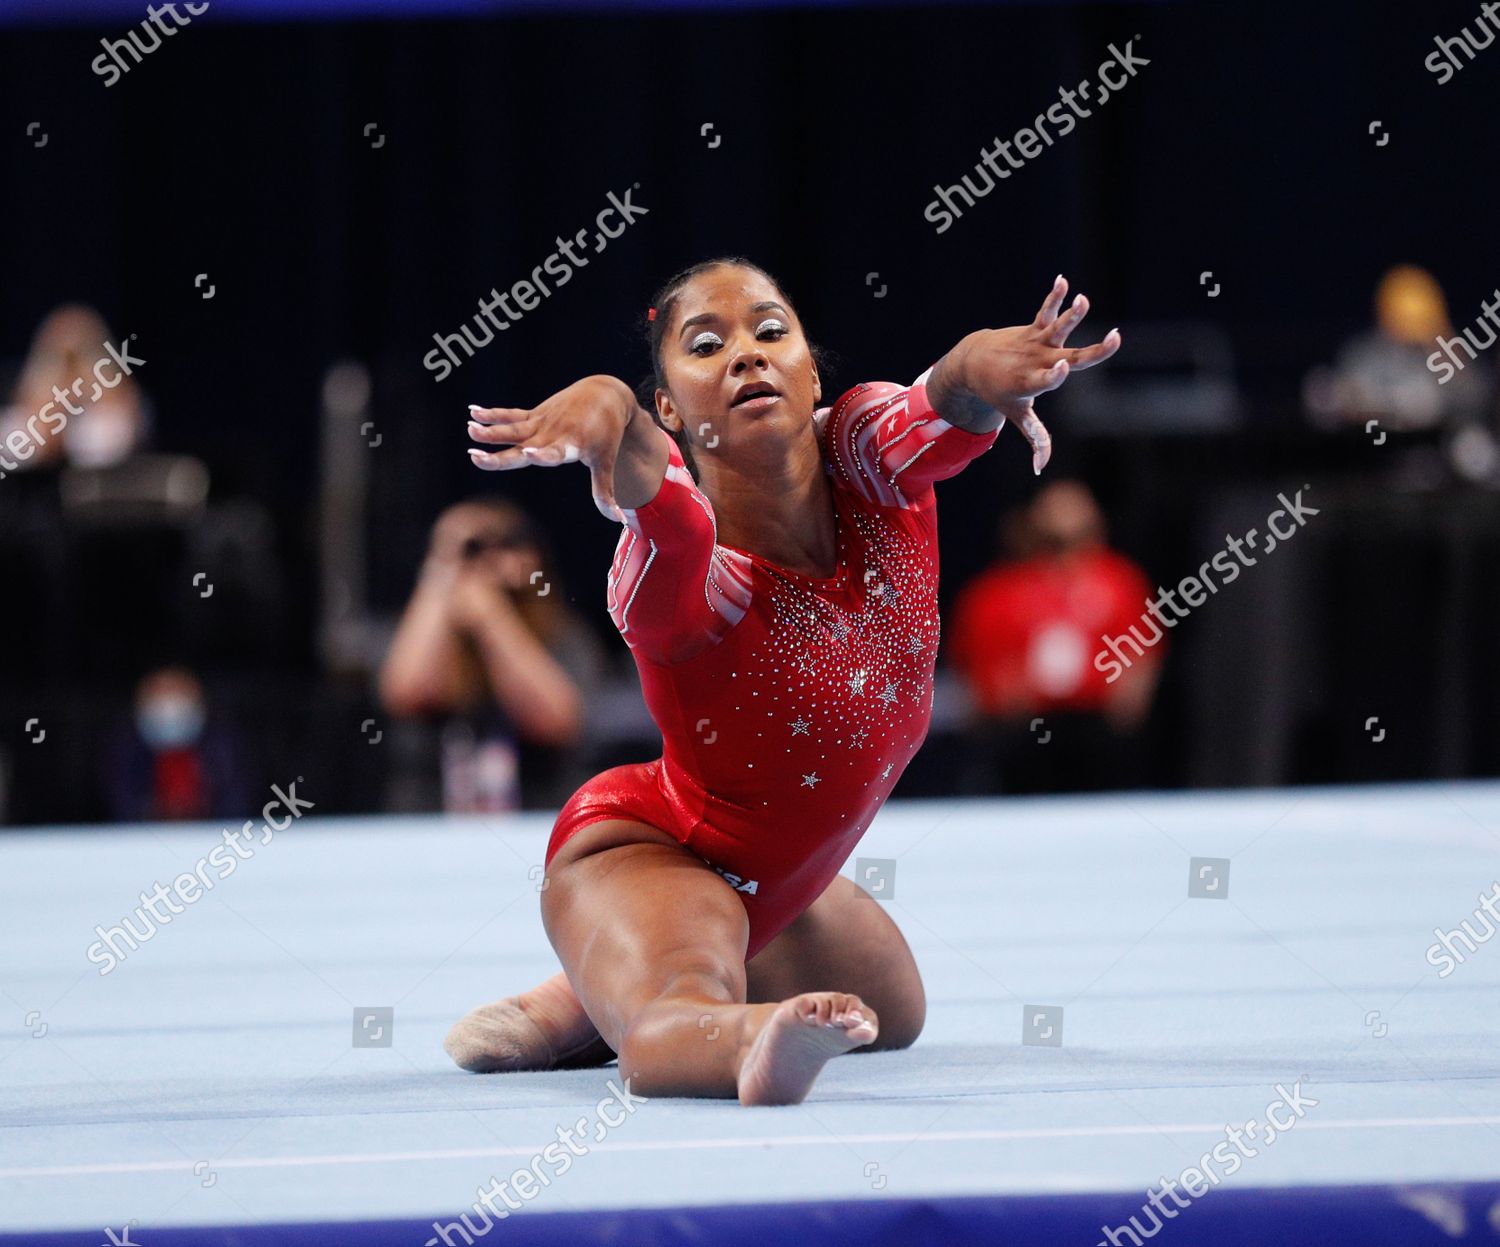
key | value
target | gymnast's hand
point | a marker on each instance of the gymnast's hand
(1002, 370)
(596, 422)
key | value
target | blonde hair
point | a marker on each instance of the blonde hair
(1410, 306)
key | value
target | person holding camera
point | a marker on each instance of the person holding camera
(488, 645)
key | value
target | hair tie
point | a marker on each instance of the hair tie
(651, 313)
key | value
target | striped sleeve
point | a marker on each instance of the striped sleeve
(673, 591)
(887, 443)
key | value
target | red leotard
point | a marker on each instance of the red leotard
(788, 705)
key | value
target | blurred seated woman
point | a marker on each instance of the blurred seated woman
(73, 402)
(489, 646)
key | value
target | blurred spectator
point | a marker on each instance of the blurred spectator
(174, 761)
(1384, 373)
(73, 400)
(62, 413)
(489, 647)
(1025, 637)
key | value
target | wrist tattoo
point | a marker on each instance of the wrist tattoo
(964, 410)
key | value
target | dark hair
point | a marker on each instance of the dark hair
(664, 301)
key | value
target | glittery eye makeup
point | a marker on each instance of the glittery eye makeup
(710, 339)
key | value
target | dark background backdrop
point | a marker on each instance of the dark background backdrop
(238, 150)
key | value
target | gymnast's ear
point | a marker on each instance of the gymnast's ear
(817, 385)
(666, 412)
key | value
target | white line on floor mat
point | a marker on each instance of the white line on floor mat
(680, 1145)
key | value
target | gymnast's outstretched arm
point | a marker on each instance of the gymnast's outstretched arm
(595, 421)
(665, 595)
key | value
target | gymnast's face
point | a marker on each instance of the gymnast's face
(732, 336)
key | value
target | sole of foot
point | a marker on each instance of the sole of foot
(801, 1036)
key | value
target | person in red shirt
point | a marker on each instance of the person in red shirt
(776, 581)
(1047, 716)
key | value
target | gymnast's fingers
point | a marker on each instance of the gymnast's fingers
(1059, 292)
(496, 415)
(552, 454)
(503, 431)
(1088, 356)
(547, 456)
(501, 460)
(601, 483)
(1035, 433)
(1044, 379)
(1058, 331)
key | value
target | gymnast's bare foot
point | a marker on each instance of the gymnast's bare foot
(545, 1028)
(797, 1040)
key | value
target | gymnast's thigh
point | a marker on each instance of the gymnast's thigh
(635, 917)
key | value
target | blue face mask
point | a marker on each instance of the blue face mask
(170, 722)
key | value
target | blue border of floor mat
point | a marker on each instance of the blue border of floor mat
(1308, 1216)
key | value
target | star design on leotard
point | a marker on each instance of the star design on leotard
(915, 646)
(857, 741)
(800, 726)
(888, 694)
(857, 682)
(811, 781)
(805, 665)
(886, 774)
(840, 628)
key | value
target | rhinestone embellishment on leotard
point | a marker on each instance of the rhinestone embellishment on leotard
(849, 664)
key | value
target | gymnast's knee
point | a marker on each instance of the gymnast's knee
(899, 1026)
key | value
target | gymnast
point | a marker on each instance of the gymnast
(776, 582)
